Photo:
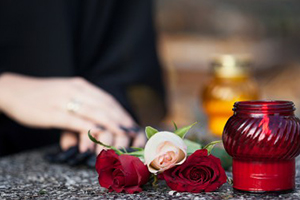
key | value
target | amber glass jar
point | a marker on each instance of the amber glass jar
(263, 139)
(231, 82)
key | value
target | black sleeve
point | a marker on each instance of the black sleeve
(2, 69)
(117, 50)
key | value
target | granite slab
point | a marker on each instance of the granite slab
(28, 176)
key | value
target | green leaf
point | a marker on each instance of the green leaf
(150, 131)
(124, 150)
(104, 145)
(226, 159)
(139, 154)
(183, 131)
(211, 145)
(191, 146)
(175, 125)
(136, 153)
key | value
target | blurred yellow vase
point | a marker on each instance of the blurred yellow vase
(231, 82)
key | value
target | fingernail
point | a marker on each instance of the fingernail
(135, 129)
(100, 127)
(124, 128)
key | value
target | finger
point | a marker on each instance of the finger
(105, 110)
(105, 137)
(85, 144)
(113, 112)
(140, 140)
(101, 118)
(69, 121)
(67, 140)
(132, 132)
(121, 141)
(84, 85)
(101, 100)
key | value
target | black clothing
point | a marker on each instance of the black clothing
(111, 43)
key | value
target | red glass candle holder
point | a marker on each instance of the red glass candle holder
(263, 138)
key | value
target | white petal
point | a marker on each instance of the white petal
(165, 148)
(154, 142)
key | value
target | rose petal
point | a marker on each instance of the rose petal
(199, 154)
(199, 173)
(105, 163)
(142, 172)
(118, 178)
(181, 157)
(185, 172)
(106, 159)
(122, 173)
(163, 150)
(165, 147)
(136, 173)
(129, 171)
(152, 148)
(105, 178)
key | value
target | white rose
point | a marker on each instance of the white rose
(163, 151)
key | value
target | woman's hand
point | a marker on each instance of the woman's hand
(69, 139)
(71, 104)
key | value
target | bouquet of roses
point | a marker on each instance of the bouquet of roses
(181, 163)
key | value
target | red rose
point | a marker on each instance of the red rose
(199, 173)
(122, 173)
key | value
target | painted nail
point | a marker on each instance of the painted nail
(135, 129)
(100, 127)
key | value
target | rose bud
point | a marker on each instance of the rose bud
(122, 173)
(163, 151)
(199, 173)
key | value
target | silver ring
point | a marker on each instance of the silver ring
(73, 106)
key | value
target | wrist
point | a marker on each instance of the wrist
(4, 84)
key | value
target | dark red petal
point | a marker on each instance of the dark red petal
(105, 179)
(217, 183)
(199, 173)
(142, 172)
(118, 178)
(131, 177)
(185, 173)
(106, 159)
(172, 178)
(197, 154)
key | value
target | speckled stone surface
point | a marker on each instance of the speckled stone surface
(29, 176)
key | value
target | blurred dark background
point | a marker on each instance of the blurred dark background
(190, 32)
